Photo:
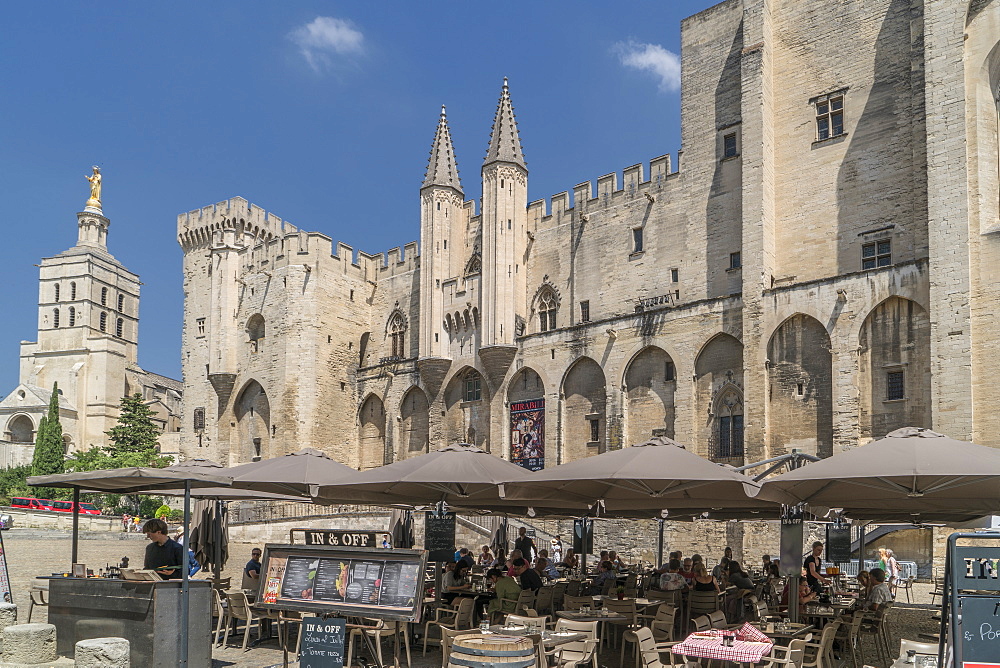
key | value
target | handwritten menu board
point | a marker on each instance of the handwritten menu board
(439, 536)
(350, 581)
(322, 643)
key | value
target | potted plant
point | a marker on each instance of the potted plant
(621, 592)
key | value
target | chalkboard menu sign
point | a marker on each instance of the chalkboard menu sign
(322, 643)
(439, 536)
(838, 543)
(349, 581)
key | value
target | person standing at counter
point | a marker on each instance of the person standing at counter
(163, 555)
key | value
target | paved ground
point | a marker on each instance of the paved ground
(33, 552)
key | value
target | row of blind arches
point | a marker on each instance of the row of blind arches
(103, 324)
(104, 296)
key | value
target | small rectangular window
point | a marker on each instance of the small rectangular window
(876, 254)
(637, 240)
(595, 431)
(729, 146)
(674, 275)
(735, 260)
(800, 389)
(669, 373)
(201, 326)
(829, 117)
(895, 386)
(585, 311)
(199, 419)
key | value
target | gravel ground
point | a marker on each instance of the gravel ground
(33, 552)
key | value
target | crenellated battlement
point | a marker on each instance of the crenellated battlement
(233, 221)
(661, 175)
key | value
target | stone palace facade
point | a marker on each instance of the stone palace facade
(816, 267)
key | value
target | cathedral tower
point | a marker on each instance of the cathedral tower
(441, 200)
(504, 215)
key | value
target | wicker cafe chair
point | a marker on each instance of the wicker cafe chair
(456, 619)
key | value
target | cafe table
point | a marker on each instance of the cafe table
(749, 645)
(592, 616)
(549, 638)
(783, 630)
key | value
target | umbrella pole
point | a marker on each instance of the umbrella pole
(76, 527)
(185, 593)
(659, 547)
(217, 548)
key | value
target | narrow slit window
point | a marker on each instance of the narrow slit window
(637, 240)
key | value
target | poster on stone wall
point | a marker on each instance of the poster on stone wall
(5, 591)
(527, 434)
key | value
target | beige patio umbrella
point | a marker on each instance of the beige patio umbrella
(912, 474)
(644, 480)
(296, 474)
(462, 476)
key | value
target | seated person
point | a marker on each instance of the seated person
(514, 554)
(486, 557)
(546, 569)
(806, 594)
(765, 564)
(506, 589)
(865, 581)
(687, 570)
(605, 572)
(454, 582)
(500, 561)
(617, 561)
(880, 592)
(570, 560)
(672, 579)
(703, 580)
(466, 556)
(737, 577)
(529, 577)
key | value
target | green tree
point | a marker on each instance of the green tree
(49, 456)
(134, 438)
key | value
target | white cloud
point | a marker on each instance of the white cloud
(325, 37)
(653, 58)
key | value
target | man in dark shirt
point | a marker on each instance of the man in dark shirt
(163, 554)
(812, 565)
(466, 556)
(529, 577)
(525, 544)
(252, 569)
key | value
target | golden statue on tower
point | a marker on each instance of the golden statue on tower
(94, 202)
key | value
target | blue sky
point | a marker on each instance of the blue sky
(320, 112)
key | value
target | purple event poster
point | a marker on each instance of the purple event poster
(5, 592)
(527, 434)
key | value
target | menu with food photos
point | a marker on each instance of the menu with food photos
(349, 581)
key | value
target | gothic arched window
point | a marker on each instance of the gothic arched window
(55, 318)
(729, 424)
(104, 296)
(397, 335)
(72, 317)
(547, 307)
(256, 329)
(119, 328)
(104, 322)
(121, 303)
(57, 292)
(72, 291)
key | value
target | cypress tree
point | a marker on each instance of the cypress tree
(49, 456)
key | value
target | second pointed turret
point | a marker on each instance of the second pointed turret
(442, 168)
(505, 142)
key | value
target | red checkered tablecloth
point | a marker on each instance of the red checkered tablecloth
(749, 646)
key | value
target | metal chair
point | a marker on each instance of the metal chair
(906, 584)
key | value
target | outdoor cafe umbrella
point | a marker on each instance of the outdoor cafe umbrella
(460, 475)
(912, 474)
(131, 480)
(649, 477)
(295, 474)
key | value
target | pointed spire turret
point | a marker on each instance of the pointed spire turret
(505, 142)
(442, 169)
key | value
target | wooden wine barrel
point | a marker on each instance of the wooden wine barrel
(492, 651)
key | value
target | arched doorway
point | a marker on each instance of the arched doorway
(20, 429)
(584, 415)
(894, 368)
(650, 381)
(719, 392)
(800, 388)
(372, 433)
(253, 423)
(414, 429)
